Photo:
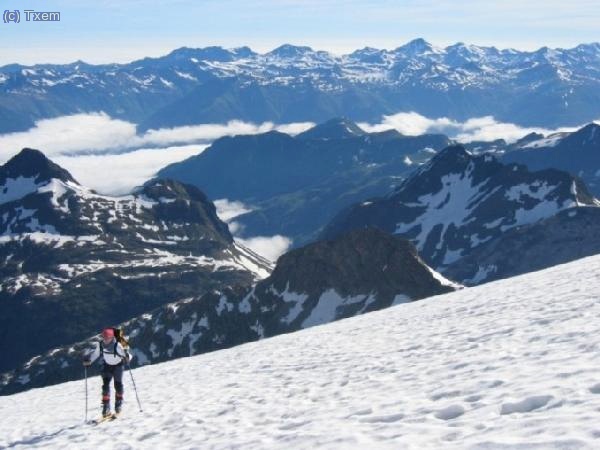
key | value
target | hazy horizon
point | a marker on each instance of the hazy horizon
(126, 30)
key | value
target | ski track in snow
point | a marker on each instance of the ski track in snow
(510, 364)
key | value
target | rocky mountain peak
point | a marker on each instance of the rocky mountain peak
(457, 201)
(175, 201)
(338, 128)
(213, 53)
(96, 259)
(454, 159)
(589, 135)
(416, 47)
(366, 260)
(30, 163)
(289, 51)
(531, 137)
(453, 155)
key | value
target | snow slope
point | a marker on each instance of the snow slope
(510, 364)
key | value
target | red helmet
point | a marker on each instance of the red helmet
(108, 333)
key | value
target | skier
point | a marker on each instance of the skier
(114, 355)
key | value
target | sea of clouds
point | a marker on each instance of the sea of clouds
(84, 142)
(477, 129)
(108, 154)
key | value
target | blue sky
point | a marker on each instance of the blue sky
(122, 30)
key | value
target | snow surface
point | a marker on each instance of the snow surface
(551, 141)
(17, 188)
(325, 310)
(510, 364)
(453, 207)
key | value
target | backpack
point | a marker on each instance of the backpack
(119, 339)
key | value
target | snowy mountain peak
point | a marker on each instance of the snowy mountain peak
(589, 135)
(33, 164)
(589, 50)
(461, 54)
(369, 55)
(457, 201)
(213, 53)
(186, 203)
(417, 47)
(451, 160)
(62, 244)
(528, 139)
(243, 52)
(466, 48)
(574, 152)
(289, 51)
(451, 156)
(365, 51)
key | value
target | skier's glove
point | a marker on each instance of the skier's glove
(87, 362)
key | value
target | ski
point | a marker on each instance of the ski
(108, 418)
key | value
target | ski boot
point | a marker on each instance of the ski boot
(118, 404)
(105, 408)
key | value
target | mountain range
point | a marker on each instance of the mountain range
(459, 201)
(293, 185)
(577, 153)
(547, 87)
(567, 236)
(161, 259)
(72, 260)
(359, 272)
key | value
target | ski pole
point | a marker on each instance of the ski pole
(86, 393)
(134, 387)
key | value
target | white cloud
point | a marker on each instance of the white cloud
(476, 129)
(210, 132)
(235, 228)
(70, 134)
(295, 128)
(106, 154)
(118, 174)
(99, 133)
(270, 247)
(409, 123)
(227, 210)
